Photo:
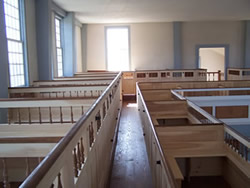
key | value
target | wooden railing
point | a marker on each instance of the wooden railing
(214, 76)
(45, 110)
(25, 166)
(131, 77)
(238, 74)
(78, 82)
(57, 91)
(237, 142)
(201, 115)
(82, 158)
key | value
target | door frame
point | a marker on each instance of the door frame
(226, 46)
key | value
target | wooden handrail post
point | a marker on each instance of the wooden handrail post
(219, 75)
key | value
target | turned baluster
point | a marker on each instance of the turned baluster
(82, 110)
(27, 166)
(72, 116)
(39, 113)
(75, 163)
(5, 174)
(61, 115)
(82, 150)
(50, 115)
(19, 116)
(91, 93)
(79, 160)
(29, 115)
(59, 181)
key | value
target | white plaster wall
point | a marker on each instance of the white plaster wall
(151, 46)
(96, 47)
(30, 17)
(226, 32)
(78, 36)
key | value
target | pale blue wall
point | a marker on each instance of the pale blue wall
(177, 45)
(247, 45)
(44, 38)
(69, 59)
(3, 63)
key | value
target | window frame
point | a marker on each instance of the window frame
(106, 44)
(61, 48)
(21, 41)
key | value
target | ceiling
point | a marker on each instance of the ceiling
(139, 11)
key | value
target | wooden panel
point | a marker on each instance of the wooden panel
(25, 150)
(168, 108)
(153, 95)
(231, 112)
(234, 72)
(208, 109)
(190, 133)
(194, 149)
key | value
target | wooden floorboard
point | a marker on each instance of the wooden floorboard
(130, 167)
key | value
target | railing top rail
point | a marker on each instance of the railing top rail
(213, 89)
(46, 99)
(73, 80)
(203, 112)
(35, 177)
(243, 137)
(58, 86)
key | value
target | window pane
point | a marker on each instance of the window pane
(118, 49)
(58, 47)
(15, 44)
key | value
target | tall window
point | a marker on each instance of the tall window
(15, 43)
(59, 51)
(117, 39)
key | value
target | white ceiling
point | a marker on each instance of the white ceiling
(137, 11)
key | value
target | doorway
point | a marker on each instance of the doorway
(214, 58)
(117, 48)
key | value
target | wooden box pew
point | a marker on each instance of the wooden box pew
(57, 91)
(164, 112)
(24, 146)
(78, 82)
(158, 95)
(199, 146)
(45, 110)
(33, 133)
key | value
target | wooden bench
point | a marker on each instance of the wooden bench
(45, 110)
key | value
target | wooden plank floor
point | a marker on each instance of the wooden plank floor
(130, 167)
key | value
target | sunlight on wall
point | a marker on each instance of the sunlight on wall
(117, 49)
